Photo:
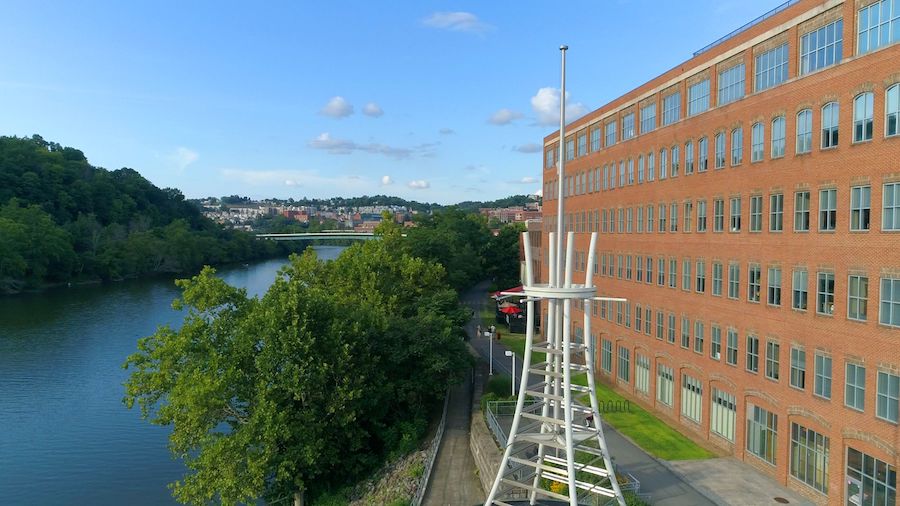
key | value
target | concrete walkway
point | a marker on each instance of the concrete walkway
(729, 481)
(453, 481)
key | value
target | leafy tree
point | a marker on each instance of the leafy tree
(501, 256)
(307, 388)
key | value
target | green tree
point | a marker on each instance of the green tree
(307, 388)
(501, 256)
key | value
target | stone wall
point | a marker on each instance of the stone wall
(481, 442)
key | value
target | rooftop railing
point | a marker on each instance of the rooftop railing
(756, 21)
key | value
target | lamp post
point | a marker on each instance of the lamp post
(513, 355)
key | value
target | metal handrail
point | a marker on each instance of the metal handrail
(760, 19)
(432, 455)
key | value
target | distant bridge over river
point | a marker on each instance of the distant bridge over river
(324, 235)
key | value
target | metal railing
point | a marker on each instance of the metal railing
(496, 409)
(432, 455)
(760, 19)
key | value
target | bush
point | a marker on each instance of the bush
(499, 384)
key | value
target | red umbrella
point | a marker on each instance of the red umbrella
(510, 310)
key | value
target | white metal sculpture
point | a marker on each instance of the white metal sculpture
(556, 450)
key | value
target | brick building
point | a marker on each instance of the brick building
(748, 206)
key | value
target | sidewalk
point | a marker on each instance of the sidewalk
(453, 481)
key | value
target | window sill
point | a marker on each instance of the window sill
(828, 148)
(861, 142)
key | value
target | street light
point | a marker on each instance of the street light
(513, 355)
(491, 352)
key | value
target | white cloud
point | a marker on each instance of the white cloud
(446, 131)
(373, 110)
(182, 157)
(337, 146)
(525, 180)
(337, 107)
(529, 147)
(291, 182)
(294, 178)
(418, 184)
(457, 22)
(546, 106)
(386, 181)
(504, 117)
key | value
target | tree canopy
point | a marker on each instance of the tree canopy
(310, 386)
(62, 219)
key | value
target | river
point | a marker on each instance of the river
(65, 436)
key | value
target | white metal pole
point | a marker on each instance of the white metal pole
(560, 208)
(491, 354)
(514, 375)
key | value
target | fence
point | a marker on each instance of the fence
(432, 455)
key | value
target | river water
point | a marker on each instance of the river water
(65, 436)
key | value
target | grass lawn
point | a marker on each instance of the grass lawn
(645, 429)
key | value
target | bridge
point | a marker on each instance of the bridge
(326, 234)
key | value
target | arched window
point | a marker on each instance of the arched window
(737, 146)
(778, 137)
(830, 115)
(757, 139)
(804, 131)
(863, 110)
(892, 106)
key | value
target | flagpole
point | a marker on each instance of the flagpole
(560, 207)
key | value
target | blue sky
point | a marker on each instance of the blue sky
(431, 101)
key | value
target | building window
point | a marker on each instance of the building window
(662, 218)
(773, 352)
(825, 293)
(648, 118)
(628, 126)
(718, 215)
(830, 116)
(610, 134)
(685, 332)
(624, 369)
(689, 157)
(879, 25)
(703, 155)
(606, 356)
(701, 277)
(801, 212)
(674, 161)
(651, 167)
(735, 217)
(774, 286)
(778, 136)
(731, 347)
(701, 216)
(665, 384)
(772, 67)
(717, 272)
(673, 272)
(798, 368)
(673, 219)
(720, 150)
(737, 146)
(731, 84)
(691, 398)
(822, 386)
(892, 111)
(642, 373)
(582, 144)
(698, 97)
(670, 334)
(672, 108)
(661, 281)
(715, 342)
(631, 171)
(855, 387)
(889, 314)
(660, 325)
(734, 280)
(827, 210)
(686, 274)
(689, 215)
(804, 131)
(549, 160)
(890, 211)
(822, 47)
(647, 315)
(800, 294)
(723, 413)
(663, 164)
(605, 177)
(863, 113)
(857, 298)
(753, 283)
(869, 480)
(595, 139)
(762, 433)
(809, 457)
(650, 218)
(776, 213)
(752, 353)
(698, 337)
(887, 396)
(757, 141)
(570, 149)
